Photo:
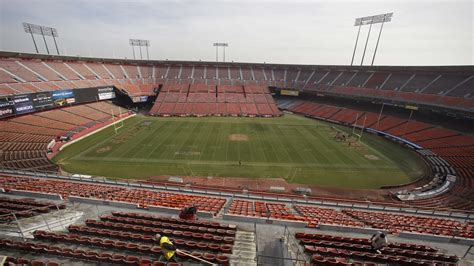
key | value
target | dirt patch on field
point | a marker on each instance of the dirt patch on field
(238, 137)
(103, 149)
(130, 133)
(371, 157)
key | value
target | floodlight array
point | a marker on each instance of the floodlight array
(137, 42)
(387, 17)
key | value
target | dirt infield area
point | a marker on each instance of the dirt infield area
(264, 184)
(238, 137)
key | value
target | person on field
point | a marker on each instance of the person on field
(167, 247)
(378, 241)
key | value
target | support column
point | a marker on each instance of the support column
(367, 41)
(355, 47)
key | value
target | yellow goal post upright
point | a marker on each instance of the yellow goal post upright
(117, 124)
(355, 132)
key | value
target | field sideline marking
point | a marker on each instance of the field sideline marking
(303, 165)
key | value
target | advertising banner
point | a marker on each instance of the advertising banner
(105, 93)
(6, 108)
(411, 107)
(63, 97)
(23, 104)
(85, 95)
(139, 99)
(42, 100)
(289, 92)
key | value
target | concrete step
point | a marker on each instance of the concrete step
(242, 256)
(244, 245)
(244, 239)
(245, 233)
(244, 249)
(244, 236)
(244, 253)
(244, 263)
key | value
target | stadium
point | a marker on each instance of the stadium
(286, 163)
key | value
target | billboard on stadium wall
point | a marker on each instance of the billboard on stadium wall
(85, 95)
(63, 97)
(94, 94)
(289, 92)
(23, 104)
(42, 100)
(411, 107)
(139, 99)
(105, 93)
(6, 108)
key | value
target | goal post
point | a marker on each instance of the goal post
(357, 133)
(117, 124)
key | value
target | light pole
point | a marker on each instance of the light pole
(378, 38)
(140, 43)
(359, 22)
(223, 45)
(44, 31)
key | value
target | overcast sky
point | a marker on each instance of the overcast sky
(295, 32)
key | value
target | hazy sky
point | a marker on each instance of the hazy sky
(299, 32)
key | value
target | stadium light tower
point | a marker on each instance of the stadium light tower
(223, 45)
(44, 31)
(140, 43)
(370, 20)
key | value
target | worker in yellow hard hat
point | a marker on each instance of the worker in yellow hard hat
(167, 247)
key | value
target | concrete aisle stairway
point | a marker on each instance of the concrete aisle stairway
(53, 221)
(244, 251)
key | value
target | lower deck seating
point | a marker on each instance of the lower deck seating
(24, 139)
(141, 197)
(128, 239)
(311, 215)
(314, 216)
(263, 209)
(22, 208)
(225, 100)
(409, 223)
(327, 249)
(42, 248)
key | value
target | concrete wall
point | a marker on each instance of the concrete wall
(36, 194)
(437, 238)
(259, 220)
(236, 64)
(95, 131)
(104, 202)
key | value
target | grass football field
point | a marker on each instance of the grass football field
(298, 149)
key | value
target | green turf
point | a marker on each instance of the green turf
(299, 149)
